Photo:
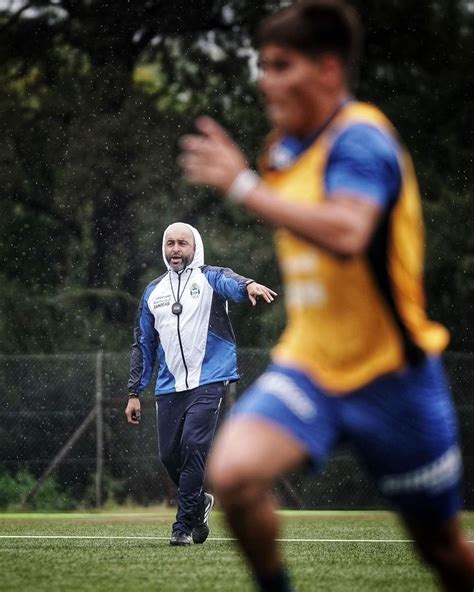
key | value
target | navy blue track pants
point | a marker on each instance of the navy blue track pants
(186, 423)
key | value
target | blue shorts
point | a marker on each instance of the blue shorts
(402, 426)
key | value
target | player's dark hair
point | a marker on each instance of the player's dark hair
(315, 27)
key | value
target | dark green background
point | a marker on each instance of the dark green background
(93, 98)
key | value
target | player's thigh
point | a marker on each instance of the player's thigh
(281, 422)
(253, 449)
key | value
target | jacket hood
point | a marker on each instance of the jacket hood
(198, 259)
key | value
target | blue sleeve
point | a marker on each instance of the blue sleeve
(228, 284)
(364, 162)
(144, 348)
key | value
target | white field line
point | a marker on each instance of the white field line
(218, 539)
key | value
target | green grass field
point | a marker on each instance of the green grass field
(112, 552)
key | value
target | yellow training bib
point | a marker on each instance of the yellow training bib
(352, 320)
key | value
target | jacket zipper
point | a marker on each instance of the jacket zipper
(180, 341)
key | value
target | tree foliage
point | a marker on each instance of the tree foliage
(94, 98)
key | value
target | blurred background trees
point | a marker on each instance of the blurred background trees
(94, 96)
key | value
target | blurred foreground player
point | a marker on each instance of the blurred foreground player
(359, 359)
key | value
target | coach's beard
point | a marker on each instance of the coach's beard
(177, 267)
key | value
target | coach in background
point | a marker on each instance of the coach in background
(182, 320)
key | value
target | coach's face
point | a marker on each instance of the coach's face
(179, 247)
(294, 88)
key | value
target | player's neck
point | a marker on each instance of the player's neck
(324, 112)
(332, 103)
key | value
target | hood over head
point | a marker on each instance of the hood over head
(198, 259)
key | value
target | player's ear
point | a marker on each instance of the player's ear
(332, 70)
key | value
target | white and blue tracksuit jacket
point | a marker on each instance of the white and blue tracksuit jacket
(193, 348)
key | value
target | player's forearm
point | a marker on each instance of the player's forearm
(343, 226)
(328, 225)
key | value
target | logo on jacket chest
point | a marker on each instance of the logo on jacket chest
(194, 291)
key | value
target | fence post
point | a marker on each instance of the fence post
(99, 427)
(57, 460)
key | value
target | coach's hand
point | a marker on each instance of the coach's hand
(133, 411)
(211, 157)
(255, 291)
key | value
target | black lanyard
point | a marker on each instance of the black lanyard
(177, 307)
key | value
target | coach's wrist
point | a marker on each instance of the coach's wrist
(133, 395)
(243, 184)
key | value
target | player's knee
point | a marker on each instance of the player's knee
(222, 476)
(229, 480)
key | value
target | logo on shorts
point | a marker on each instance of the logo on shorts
(194, 291)
(289, 393)
(436, 476)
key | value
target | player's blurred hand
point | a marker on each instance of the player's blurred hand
(211, 157)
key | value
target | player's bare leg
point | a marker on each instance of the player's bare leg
(445, 549)
(248, 455)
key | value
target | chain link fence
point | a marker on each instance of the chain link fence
(62, 419)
